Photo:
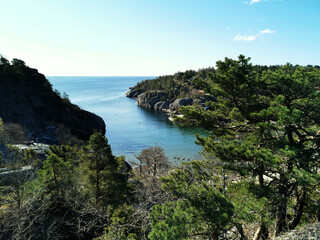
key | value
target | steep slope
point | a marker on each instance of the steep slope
(27, 98)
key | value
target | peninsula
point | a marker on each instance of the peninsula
(168, 93)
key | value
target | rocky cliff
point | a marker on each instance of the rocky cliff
(27, 98)
(169, 93)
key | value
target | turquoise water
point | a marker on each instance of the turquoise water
(129, 127)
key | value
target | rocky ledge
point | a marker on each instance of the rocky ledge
(159, 100)
(311, 231)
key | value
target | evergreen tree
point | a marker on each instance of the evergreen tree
(109, 184)
(265, 127)
(199, 208)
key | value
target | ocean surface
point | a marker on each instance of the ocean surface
(129, 127)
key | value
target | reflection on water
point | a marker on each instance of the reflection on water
(129, 127)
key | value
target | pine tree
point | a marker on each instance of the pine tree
(265, 128)
(109, 184)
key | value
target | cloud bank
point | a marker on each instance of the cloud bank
(249, 38)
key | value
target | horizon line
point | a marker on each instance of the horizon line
(104, 75)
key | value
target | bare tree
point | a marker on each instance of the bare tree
(151, 166)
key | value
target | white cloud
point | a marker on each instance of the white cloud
(245, 37)
(267, 31)
(249, 38)
(255, 1)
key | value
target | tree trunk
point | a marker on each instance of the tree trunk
(257, 235)
(261, 233)
(240, 230)
(214, 236)
(282, 209)
(97, 183)
(318, 213)
(264, 232)
(299, 209)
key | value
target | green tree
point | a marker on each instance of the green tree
(200, 209)
(199, 83)
(1, 136)
(18, 62)
(267, 124)
(109, 184)
(3, 60)
(58, 173)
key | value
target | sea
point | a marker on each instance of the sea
(129, 128)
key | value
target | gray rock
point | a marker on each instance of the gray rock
(4, 170)
(311, 231)
(133, 93)
(157, 106)
(20, 175)
(162, 105)
(180, 102)
(149, 99)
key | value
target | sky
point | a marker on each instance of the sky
(156, 37)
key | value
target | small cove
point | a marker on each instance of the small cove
(129, 127)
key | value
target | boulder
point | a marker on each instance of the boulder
(180, 102)
(157, 106)
(133, 93)
(149, 99)
(162, 105)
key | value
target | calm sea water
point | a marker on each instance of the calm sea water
(129, 127)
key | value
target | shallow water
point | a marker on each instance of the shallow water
(129, 127)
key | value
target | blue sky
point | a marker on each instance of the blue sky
(156, 37)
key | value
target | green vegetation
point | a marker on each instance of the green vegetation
(267, 123)
(61, 202)
(178, 85)
(259, 177)
(198, 208)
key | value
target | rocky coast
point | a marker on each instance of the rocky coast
(159, 100)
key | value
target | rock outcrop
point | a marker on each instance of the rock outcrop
(149, 99)
(133, 93)
(311, 231)
(180, 102)
(169, 92)
(162, 106)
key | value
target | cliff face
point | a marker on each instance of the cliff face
(27, 98)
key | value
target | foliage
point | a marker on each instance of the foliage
(119, 227)
(201, 208)
(152, 161)
(109, 183)
(261, 165)
(267, 123)
(178, 85)
(58, 173)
